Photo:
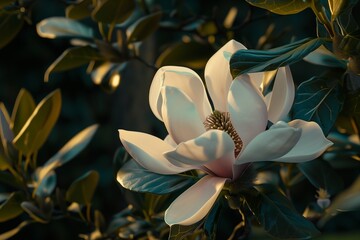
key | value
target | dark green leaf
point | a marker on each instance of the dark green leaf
(73, 58)
(120, 158)
(276, 214)
(113, 11)
(34, 212)
(4, 3)
(143, 27)
(10, 180)
(39, 125)
(23, 108)
(79, 10)
(320, 100)
(6, 134)
(248, 61)
(55, 27)
(192, 54)
(136, 178)
(46, 186)
(322, 175)
(14, 231)
(179, 232)
(283, 7)
(83, 188)
(10, 25)
(211, 221)
(11, 207)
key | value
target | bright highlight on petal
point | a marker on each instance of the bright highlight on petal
(193, 204)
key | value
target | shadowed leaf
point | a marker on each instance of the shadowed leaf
(113, 11)
(283, 7)
(23, 108)
(83, 188)
(10, 25)
(143, 27)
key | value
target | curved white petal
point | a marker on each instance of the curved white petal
(193, 204)
(257, 79)
(217, 74)
(214, 149)
(147, 151)
(282, 96)
(180, 115)
(169, 140)
(247, 108)
(186, 80)
(312, 143)
(271, 144)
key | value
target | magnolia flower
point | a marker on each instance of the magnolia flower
(219, 141)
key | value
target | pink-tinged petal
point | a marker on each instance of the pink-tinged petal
(247, 108)
(217, 74)
(195, 203)
(283, 94)
(271, 144)
(186, 80)
(147, 151)
(312, 143)
(214, 149)
(180, 115)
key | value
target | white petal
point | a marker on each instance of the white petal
(283, 94)
(247, 108)
(217, 74)
(180, 115)
(312, 143)
(169, 140)
(257, 79)
(193, 204)
(214, 149)
(271, 144)
(147, 150)
(186, 80)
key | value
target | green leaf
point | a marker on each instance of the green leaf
(136, 178)
(55, 27)
(248, 61)
(6, 135)
(10, 25)
(324, 57)
(322, 175)
(73, 58)
(14, 231)
(34, 212)
(320, 100)
(210, 223)
(113, 11)
(277, 215)
(46, 186)
(143, 27)
(179, 232)
(39, 125)
(79, 10)
(193, 55)
(83, 188)
(67, 152)
(10, 180)
(4, 163)
(4, 3)
(23, 108)
(11, 207)
(283, 7)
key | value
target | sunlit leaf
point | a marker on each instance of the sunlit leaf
(10, 25)
(248, 61)
(23, 108)
(113, 11)
(192, 54)
(322, 175)
(276, 214)
(283, 7)
(108, 75)
(83, 188)
(47, 185)
(14, 231)
(179, 232)
(34, 212)
(55, 27)
(80, 10)
(320, 100)
(324, 57)
(39, 125)
(136, 178)
(143, 27)
(336, 6)
(72, 58)
(11, 207)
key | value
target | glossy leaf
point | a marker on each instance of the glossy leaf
(14, 231)
(10, 25)
(322, 175)
(56, 27)
(136, 178)
(82, 189)
(46, 186)
(277, 215)
(320, 100)
(143, 27)
(23, 108)
(79, 10)
(324, 57)
(11, 207)
(113, 11)
(68, 151)
(34, 212)
(193, 55)
(248, 61)
(73, 58)
(283, 7)
(39, 125)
